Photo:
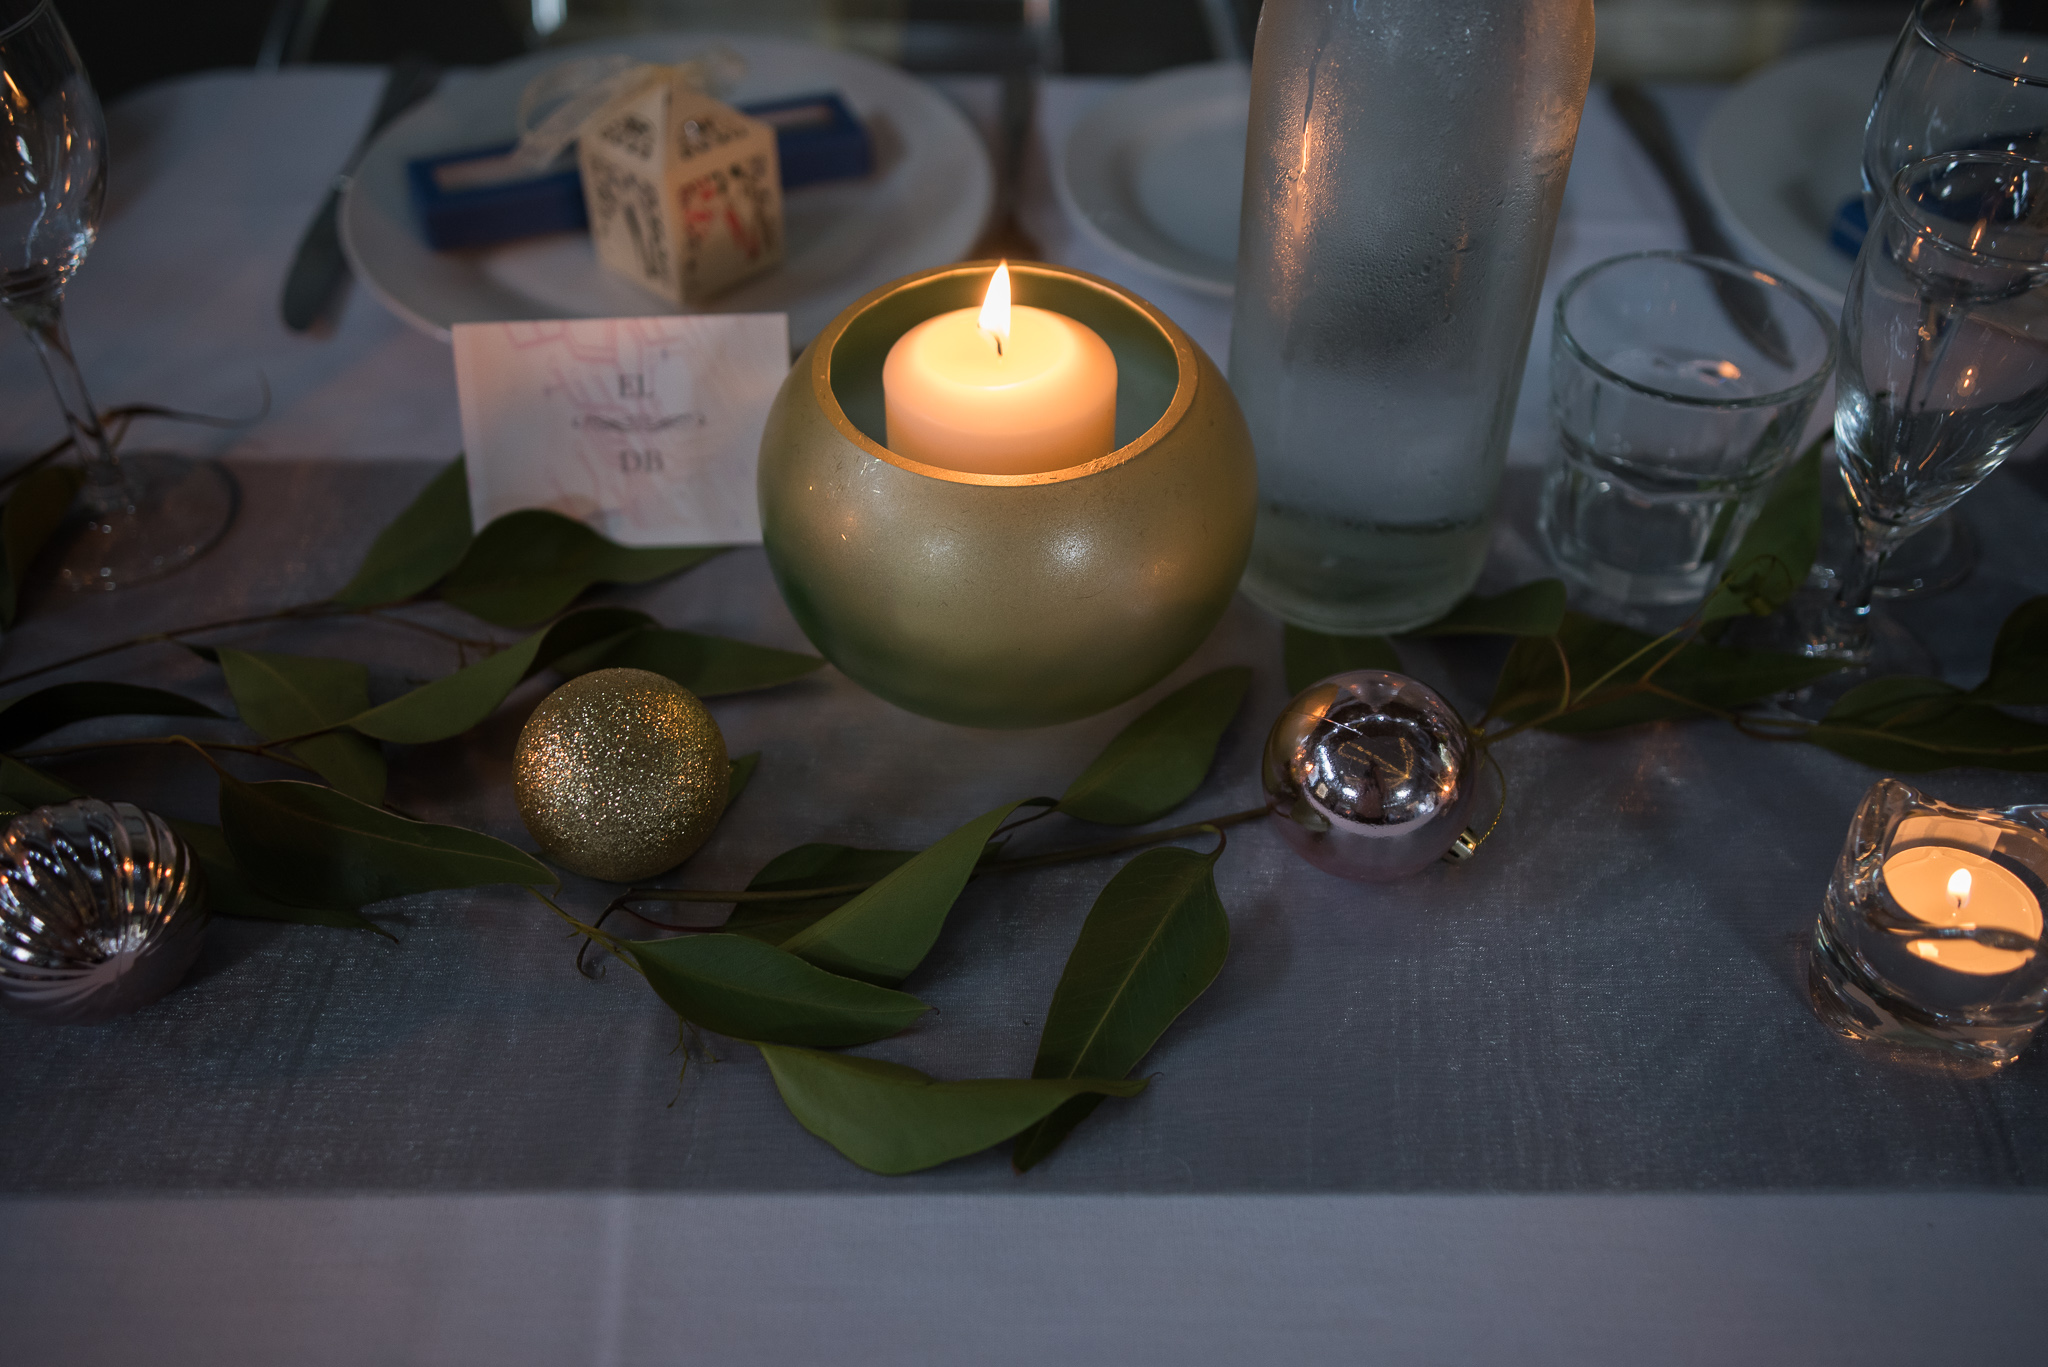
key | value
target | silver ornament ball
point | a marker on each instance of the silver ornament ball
(102, 909)
(1368, 775)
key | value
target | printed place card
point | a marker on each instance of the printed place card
(645, 429)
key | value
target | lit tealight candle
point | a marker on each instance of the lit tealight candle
(1000, 390)
(1947, 886)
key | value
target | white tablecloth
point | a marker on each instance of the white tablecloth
(214, 178)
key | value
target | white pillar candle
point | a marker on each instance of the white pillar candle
(1000, 390)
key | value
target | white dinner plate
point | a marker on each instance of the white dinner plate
(1154, 173)
(1784, 151)
(925, 204)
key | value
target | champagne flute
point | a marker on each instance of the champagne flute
(1943, 367)
(1965, 76)
(143, 516)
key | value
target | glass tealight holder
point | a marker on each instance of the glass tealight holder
(1930, 937)
(1007, 600)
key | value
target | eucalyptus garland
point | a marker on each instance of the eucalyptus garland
(812, 959)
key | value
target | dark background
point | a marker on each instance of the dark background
(128, 43)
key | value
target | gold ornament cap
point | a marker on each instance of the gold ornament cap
(620, 774)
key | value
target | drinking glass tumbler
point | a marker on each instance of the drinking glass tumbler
(1679, 386)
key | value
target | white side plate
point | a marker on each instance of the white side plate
(925, 204)
(1784, 150)
(1154, 173)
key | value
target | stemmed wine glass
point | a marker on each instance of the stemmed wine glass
(1943, 367)
(143, 516)
(1965, 76)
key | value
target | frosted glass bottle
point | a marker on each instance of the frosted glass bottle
(1402, 180)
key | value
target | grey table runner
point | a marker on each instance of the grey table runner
(1610, 997)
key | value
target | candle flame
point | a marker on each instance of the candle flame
(995, 306)
(1959, 888)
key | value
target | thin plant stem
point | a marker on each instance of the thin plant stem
(1066, 856)
(262, 751)
(302, 612)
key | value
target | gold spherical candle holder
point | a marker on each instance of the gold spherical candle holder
(1007, 600)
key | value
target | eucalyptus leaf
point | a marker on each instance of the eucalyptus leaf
(883, 934)
(1912, 731)
(1696, 680)
(1155, 764)
(809, 866)
(230, 893)
(2019, 659)
(315, 847)
(35, 510)
(892, 1119)
(738, 774)
(1533, 609)
(708, 666)
(280, 696)
(1312, 655)
(1776, 553)
(419, 547)
(753, 991)
(529, 565)
(50, 709)
(1877, 701)
(451, 705)
(1154, 941)
(24, 787)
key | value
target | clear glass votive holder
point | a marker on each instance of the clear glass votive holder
(1679, 386)
(1930, 936)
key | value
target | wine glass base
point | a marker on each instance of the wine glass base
(1797, 630)
(177, 510)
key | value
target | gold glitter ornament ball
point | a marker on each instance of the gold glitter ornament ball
(620, 774)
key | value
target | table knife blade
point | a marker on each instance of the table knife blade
(314, 282)
(1745, 304)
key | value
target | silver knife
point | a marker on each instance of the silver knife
(314, 282)
(1745, 304)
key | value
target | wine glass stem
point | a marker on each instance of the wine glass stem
(106, 487)
(1849, 622)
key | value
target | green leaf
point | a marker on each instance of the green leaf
(230, 893)
(884, 933)
(451, 705)
(1911, 725)
(527, 566)
(892, 1119)
(23, 787)
(1777, 551)
(2019, 660)
(419, 547)
(49, 709)
(809, 866)
(1311, 655)
(708, 666)
(1534, 609)
(1697, 680)
(289, 695)
(739, 773)
(1155, 939)
(752, 991)
(34, 511)
(1158, 761)
(316, 847)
